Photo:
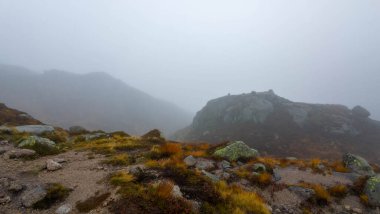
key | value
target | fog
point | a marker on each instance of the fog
(188, 52)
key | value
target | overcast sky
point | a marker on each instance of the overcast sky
(189, 51)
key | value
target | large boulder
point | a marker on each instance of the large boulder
(357, 165)
(236, 150)
(34, 140)
(372, 190)
(35, 129)
(34, 195)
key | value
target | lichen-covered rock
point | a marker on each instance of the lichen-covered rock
(211, 176)
(190, 160)
(35, 129)
(372, 190)
(34, 140)
(236, 150)
(357, 165)
(259, 167)
(224, 165)
(33, 196)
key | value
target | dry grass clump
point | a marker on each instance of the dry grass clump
(322, 195)
(264, 179)
(164, 189)
(59, 135)
(169, 149)
(118, 160)
(338, 166)
(238, 200)
(196, 150)
(338, 190)
(121, 178)
(112, 144)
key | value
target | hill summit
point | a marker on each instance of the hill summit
(279, 126)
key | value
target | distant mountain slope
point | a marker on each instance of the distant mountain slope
(13, 117)
(282, 127)
(94, 101)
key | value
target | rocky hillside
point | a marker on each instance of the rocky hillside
(94, 101)
(279, 126)
(48, 170)
(14, 117)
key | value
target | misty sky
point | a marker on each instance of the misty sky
(188, 52)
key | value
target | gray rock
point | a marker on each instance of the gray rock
(304, 193)
(34, 195)
(176, 192)
(372, 190)
(276, 175)
(5, 199)
(35, 129)
(259, 167)
(357, 164)
(64, 209)
(52, 165)
(21, 153)
(224, 165)
(204, 164)
(4, 182)
(33, 140)
(235, 150)
(190, 160)
(211, 176)
(14, 186)
(77, 130)
(59, 160)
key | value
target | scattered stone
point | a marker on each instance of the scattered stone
(372, 190)
(259, 167)
(304, 193)
(204, 164)
(190, 160)
(176, 192)
(33, 196)
(14, 186)
(347, 207)
(52, 165)
(4, 143)
(276, 175)
(357, 210)
(59, 160)
(235, 150)
(213, 177)
(224, 165)
(35, 129)
(291, 158)
(5, 199)
(64, 209)
(357, 165)
(21, 153)
(4, 182)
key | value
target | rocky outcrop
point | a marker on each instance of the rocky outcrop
(13, 117)
(372, 190)
(236, 150)
(278, 126)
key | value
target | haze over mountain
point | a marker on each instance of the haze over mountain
(189, 52)
(94, 101)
